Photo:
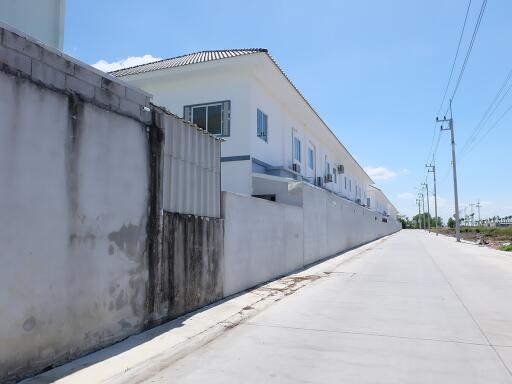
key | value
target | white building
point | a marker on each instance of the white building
(273, 136)
(41, 19)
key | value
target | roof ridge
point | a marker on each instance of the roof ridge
(265, 50)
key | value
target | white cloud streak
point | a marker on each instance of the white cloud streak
(131, 61)
(406, 196)
(379, 173)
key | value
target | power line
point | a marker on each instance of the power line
(491, 109)
(436, 147)
(455, 58)
(470, 48)
(448, 86)
(489, 129)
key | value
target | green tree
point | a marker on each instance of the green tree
(451, 222)
(425, 218)
(406, 222)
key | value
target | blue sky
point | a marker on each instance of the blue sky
(374, 70)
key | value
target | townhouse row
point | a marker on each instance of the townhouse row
(272, 136)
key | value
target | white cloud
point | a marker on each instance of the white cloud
(131, 61)
(406, 196)
(379, 173)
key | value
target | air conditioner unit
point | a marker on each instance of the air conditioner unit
(319, 181)
(328, 178)
(341, 168)
(296, 167)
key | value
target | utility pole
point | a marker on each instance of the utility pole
(420, 224)
(428, 206)
(472, 215)
(455, 192)
(432, 168)
(478, 205)
(423, 210)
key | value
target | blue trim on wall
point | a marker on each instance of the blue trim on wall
(261, 163)
(235, 158)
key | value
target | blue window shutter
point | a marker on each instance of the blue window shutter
(226, 118)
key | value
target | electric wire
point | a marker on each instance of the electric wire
(491, 109)
(470, 48)
(437, 133)
(488, 131)
(455, 58)
(460, 76)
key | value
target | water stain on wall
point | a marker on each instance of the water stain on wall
(29, 324)
(127, 240)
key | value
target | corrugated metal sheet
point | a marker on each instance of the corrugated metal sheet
(192, 58)
(191, 169)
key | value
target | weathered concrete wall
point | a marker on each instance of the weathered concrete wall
(264, 240)
(88, 258)
(74, 204)
(191, 265)
(75, 186)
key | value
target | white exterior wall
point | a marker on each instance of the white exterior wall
(380, 203)
(285, 121)
(41, 19)
(253, 82)
(202, 83)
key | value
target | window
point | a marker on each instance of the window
(212, 117)
(345, 182)
(311, 156)
(327, 168)
(350, 185)
(262, 125)
(296, 149)
(334, 175)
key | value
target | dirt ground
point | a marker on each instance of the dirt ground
(490, 236)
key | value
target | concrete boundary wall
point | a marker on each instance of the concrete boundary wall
(74, 182)
(190, 267)
(55, 70)
(81, 200)
(264, 240)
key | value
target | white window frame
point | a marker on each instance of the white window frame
(311, 150)
(225, 105)
(296, 139)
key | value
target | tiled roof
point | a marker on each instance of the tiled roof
(192, 58)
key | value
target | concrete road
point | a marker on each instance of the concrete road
(415, 308)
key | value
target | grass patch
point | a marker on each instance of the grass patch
(507, 248)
